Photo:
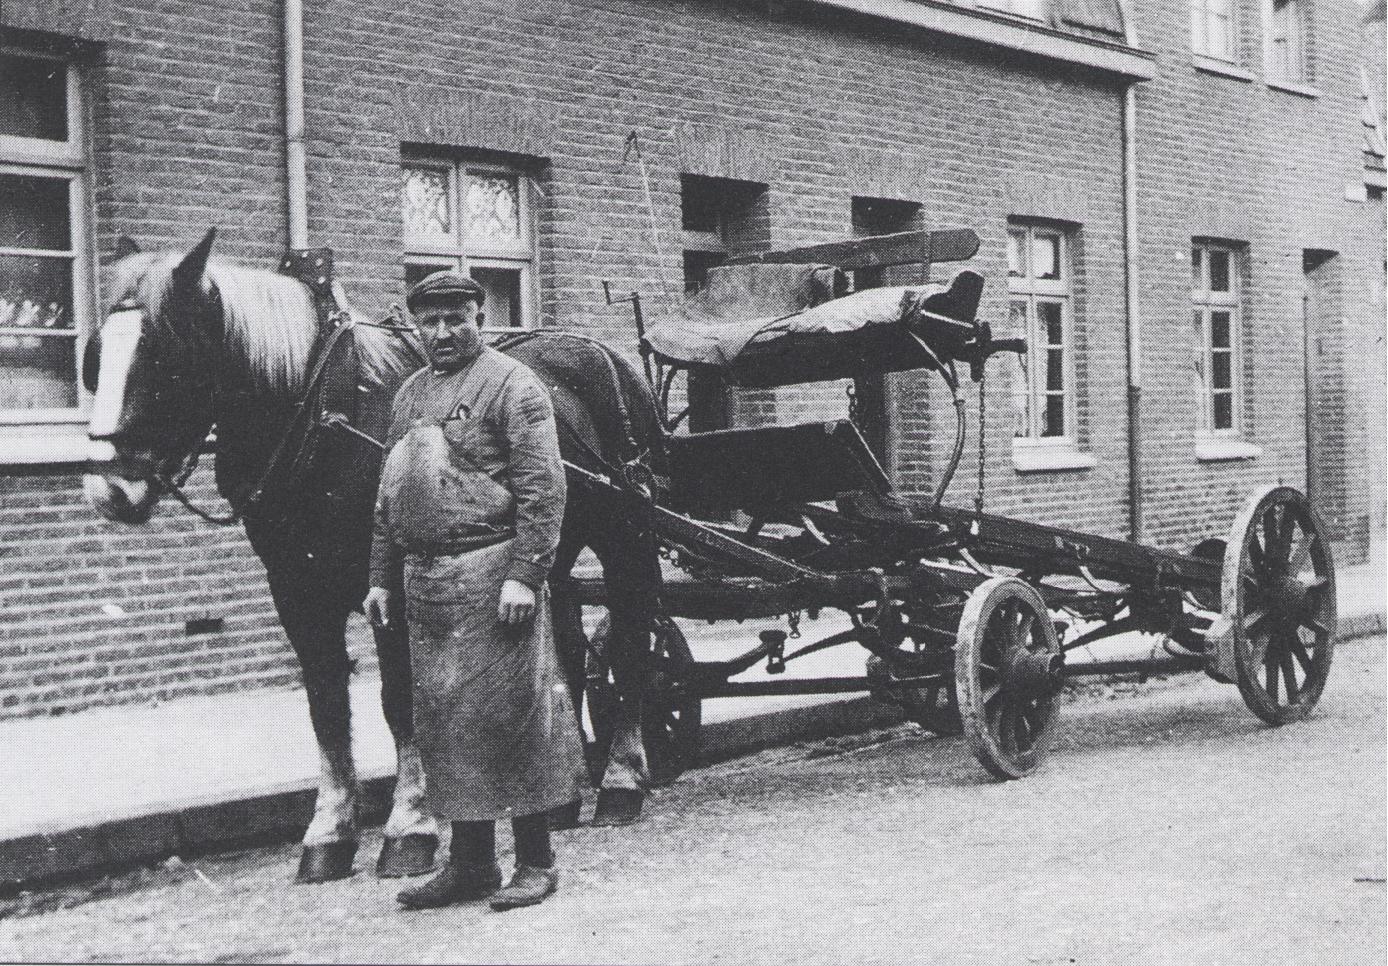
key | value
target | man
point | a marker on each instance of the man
(467, 522)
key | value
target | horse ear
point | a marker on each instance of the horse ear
(125, 247)
(195, 262)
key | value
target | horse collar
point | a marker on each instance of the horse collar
(314, 268)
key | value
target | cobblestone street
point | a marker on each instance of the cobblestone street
(1169, 825)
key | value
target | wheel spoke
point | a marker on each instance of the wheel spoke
(1007, 726)
(1255, 551)
(1022, 732)
(1271, 676)
(1289, 676)
(1252, 620)
(1271, 550)
(1313, 622)
(1285, 532)
(1298, 649)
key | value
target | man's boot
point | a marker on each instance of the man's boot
(528, 886)
(456, 882)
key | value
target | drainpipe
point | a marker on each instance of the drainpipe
(1133, 329)
(296, 164)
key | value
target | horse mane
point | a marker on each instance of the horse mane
(269, 321)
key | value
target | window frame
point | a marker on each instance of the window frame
(53, 433)
(1032, 292)
(1204, 302)
(1296, 35)
(460, 251)
(1200, 12)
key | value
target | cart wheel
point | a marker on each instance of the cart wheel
(1279, 599)
(671, 723)
(935, 708)
(1007, 669)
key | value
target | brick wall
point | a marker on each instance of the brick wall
(187, 127)
(1240, 160)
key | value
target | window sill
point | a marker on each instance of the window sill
(1031, 456)
(1224, 68)
(1293, 87)
(1219, 449)
(43, 447)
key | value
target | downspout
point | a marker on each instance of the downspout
(1133, 328)
(296, 164)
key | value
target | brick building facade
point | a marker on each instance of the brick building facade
(551, 145)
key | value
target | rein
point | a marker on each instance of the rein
(313, 268)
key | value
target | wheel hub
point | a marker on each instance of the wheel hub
(1032, 674)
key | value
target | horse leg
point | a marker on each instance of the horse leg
(317, 635)
(632, 577)
(411, 830)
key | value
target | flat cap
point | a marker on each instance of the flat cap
(445, 286)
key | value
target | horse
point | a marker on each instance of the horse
(194, 342)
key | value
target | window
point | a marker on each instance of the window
(1216, 318)
(719, 217)
(478, 219)
(44, 261)
(1285, 50)
(1038, 284)
(1212, 28)
(1031, 9)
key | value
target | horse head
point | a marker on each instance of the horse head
(151, 368)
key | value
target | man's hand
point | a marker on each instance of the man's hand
(377, 606)
(517, 603)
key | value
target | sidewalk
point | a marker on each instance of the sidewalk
(119, 786)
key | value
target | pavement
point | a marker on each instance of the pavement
(116, 787)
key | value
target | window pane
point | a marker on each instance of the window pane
(1219, 330)
(1220, 42)
(1017, 318)
(37, 372)
(34, 213)
(1223, 410)
(1222, 375)
(1197, 268)
(1021, 395)
(428, 210)
(1016, 254)
(1219, 270)
(1052, 322)
(35, 293)
(33, 98)
(493, 207)
(1055, 369)
(1046, 256)
(1055, 416)
(503, 288)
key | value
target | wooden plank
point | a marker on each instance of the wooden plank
(1020, 543)
(882, 251)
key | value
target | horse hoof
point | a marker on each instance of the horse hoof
(407, 855)
(618, 806)
(326, 862)
(565, 816)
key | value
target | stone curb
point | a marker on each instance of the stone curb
(280, 815)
